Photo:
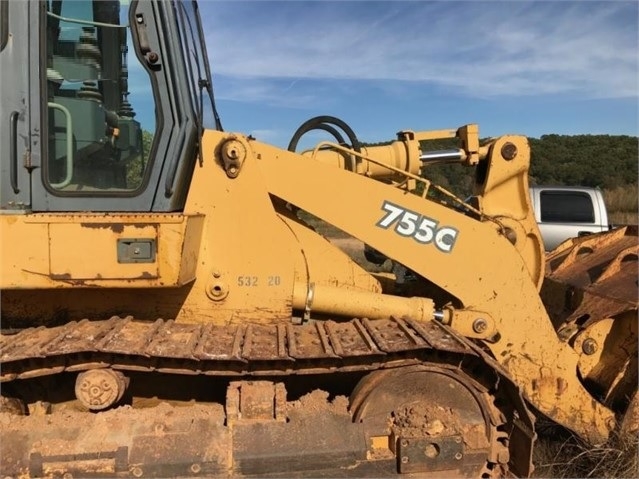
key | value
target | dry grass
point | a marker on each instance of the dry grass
(559, 454)
(623, 204)
(619, 218)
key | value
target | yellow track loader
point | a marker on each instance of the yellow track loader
(166, 311)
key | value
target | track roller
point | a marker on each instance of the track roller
(99, 389)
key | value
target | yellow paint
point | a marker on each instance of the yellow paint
(80, 249)
(238, 254)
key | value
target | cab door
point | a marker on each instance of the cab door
(115, 118)
(16, 128)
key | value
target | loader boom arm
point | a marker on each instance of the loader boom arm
(476, 261)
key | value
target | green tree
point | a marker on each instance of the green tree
(137, 165)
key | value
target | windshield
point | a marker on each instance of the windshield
(198, 70)
(101, 113)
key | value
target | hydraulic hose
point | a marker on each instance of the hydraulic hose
(322, 126)
(323, 122)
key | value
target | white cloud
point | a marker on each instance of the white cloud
(266, 135)
(268, 91)
(481, 49)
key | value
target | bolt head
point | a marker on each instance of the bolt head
(480, 325)
(509, 151)
(589, 346)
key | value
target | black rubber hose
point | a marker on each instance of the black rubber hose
(321, 122)
(322, 126)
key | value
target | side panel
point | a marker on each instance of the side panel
(96, 250)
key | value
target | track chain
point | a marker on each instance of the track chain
(246, 349)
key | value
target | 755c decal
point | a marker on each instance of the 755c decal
(422, 229)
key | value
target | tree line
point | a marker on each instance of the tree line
(605, 161)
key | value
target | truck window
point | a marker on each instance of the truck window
(566, 207)
(98, 96)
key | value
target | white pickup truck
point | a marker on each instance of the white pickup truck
(564, 212)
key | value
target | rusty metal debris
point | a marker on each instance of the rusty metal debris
(591, 278)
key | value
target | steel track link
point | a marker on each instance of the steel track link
(248, 349)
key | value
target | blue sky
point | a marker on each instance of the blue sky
(512, 67)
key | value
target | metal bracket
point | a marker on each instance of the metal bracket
(136, 250)
(248, 401)
(120, 459)
(234, 152)
(422, 454)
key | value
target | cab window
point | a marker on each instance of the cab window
(100, 116)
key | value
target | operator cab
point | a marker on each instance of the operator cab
(109, 110)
